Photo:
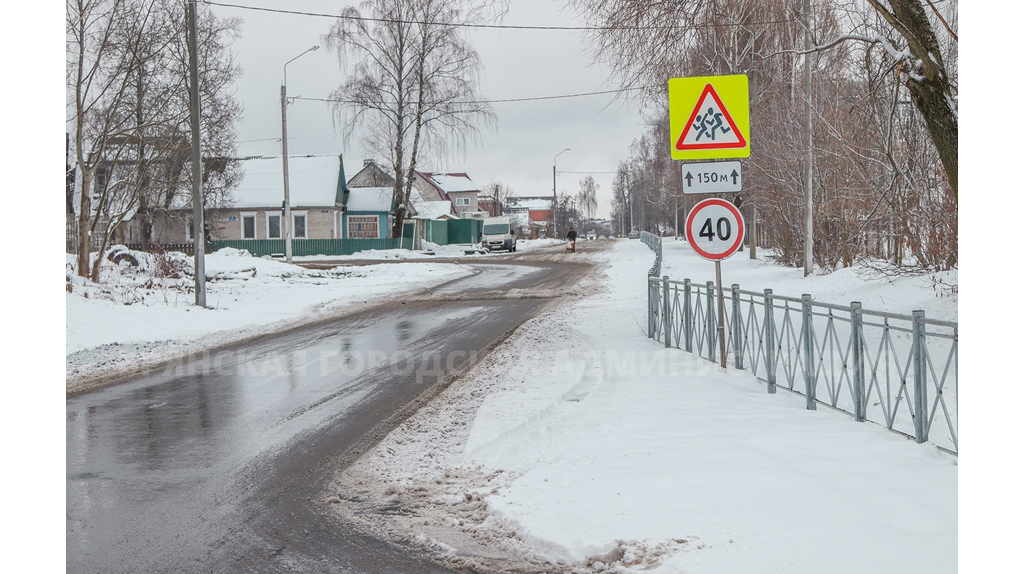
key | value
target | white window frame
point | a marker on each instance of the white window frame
(463, 202)
(269, 216)
(305, 228)
(374, 219)
(242, 218)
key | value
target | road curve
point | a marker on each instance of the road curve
(217, 463)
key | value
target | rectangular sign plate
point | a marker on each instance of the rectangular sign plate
(712, 177)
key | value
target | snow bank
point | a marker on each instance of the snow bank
(580, 445)
(136, 315)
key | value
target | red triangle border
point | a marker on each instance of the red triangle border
(680, 146)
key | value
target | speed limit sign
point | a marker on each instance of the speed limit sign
(714, 229)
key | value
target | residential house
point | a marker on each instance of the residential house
(457, 188)
(535, 210)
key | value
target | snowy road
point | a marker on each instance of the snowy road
(216, 463)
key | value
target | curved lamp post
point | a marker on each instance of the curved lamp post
(286, 223)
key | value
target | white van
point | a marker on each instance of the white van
(499, 234)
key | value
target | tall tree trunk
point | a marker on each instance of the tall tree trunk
(84, 209)
(929, 86)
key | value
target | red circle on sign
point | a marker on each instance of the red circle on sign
(709, 207)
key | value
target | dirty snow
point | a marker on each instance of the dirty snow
(580, 445)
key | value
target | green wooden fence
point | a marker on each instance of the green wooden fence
(301, 247)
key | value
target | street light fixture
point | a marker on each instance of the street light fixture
(554, 192)
(286, 227)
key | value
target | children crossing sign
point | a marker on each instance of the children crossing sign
(709, 117)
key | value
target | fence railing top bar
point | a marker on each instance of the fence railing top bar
(892, 327)
(820, 305)
(888, 315)
(941, 323)
(832, 306)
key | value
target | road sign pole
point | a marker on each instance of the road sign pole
(721, 313)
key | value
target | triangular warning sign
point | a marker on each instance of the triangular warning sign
(710, 126)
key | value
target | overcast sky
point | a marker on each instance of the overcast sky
(517, 64)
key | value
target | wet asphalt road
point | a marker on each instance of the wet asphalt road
(219, 463)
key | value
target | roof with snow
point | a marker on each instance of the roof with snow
(429, 209)
(313, 180)
(369, 199)
(451, 182)
(532, 203)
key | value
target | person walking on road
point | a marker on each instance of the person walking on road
(571, 238)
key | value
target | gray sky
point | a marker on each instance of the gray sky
(517, 64)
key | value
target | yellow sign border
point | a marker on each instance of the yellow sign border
(683, 94)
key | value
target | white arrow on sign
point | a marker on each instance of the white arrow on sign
(712, 177)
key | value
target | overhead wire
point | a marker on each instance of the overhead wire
(479, 26)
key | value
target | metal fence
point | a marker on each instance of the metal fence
(899, 371)
(654, 242)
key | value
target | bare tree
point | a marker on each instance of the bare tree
(98, 82)
(127, 100)
(645, 43)
(411, 84)
(587, 196)
(500, 192)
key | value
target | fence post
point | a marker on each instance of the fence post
(737, 327)
(687, 317)
(920, 379)
(769, 340)
(666, 311)
(810, 372)
(709, 321)
(857, 341)
(650, 307)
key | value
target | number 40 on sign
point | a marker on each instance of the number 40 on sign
(714, 229)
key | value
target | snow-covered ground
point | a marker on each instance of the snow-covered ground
(580, 441)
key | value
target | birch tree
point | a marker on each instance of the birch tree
(412, 83)
(128, 110)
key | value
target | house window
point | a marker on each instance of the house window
(462, 202)
(274, 226)
(189, 232)
(363, 226)
(299, 225)
(248, 226)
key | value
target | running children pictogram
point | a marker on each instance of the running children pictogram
(710, 125)
(709, 117)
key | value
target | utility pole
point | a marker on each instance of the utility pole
(809, 151)
(198, 227)
(286, 220)
(554, 192)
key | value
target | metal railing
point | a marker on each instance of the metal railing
(654, 242)
(897, 370)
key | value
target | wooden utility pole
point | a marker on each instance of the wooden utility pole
(198, 228)
(809, 151)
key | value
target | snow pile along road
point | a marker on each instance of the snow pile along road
(142, 313)
(579, 445)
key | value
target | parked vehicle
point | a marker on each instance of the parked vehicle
(634, 234)
(500, 234)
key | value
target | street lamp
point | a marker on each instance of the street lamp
(286, 228)
(554, 192)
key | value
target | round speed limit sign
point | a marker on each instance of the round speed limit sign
(714, 229)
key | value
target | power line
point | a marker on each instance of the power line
(481, 26)
(533, 99)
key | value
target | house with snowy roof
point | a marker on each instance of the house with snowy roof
(456, 188)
